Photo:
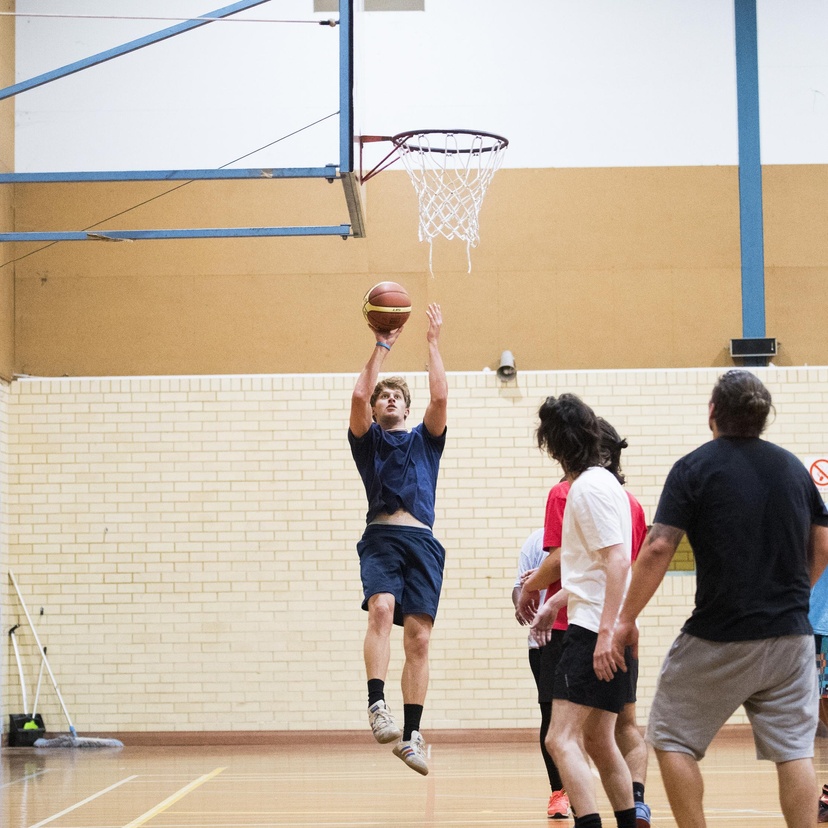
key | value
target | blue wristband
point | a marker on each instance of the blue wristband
(384, 345)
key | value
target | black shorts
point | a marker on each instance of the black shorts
(534, 662)
(575, 679)
(632, 672)
(405, 561)
(550, 655)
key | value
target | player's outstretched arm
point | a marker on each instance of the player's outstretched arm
(436, 413)
(361, 416)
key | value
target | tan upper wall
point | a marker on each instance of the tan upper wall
(6, 192)
(576, 268)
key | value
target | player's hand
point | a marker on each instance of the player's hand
(545, 617)
(542, 637)
(527, 605)
(603, 661)
(435, 322)
(388, 337)
(525, 576)
(625, 635)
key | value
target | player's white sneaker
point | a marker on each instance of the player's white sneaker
(413, 753)
(382, 723)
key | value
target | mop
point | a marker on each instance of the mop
(71, 740)
(26, 727)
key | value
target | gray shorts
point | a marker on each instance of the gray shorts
(702, 683)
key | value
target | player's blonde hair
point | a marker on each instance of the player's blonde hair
(395, 383)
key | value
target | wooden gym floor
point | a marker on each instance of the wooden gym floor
(342, 786)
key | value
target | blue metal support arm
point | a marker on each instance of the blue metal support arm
(343, 230)
(124, 49)
(329, 172)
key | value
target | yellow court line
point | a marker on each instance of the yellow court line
(171, 800)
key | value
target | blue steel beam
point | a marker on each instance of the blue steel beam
(348, 176)
(343, 230)
(750, 171)
(346, 86)
(124, 49)
(329, 172)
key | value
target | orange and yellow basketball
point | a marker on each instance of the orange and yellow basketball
(386, 306)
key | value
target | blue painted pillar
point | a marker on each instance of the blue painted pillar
(346, 86)
(750, 172)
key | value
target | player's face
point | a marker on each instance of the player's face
(389, 408)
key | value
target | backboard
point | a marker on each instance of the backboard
(254, 91)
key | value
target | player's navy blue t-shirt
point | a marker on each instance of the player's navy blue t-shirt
(747, 507)
(399, 470)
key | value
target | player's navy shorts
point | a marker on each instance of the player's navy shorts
(405, 561)
(575, 679)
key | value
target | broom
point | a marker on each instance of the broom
(71, 740)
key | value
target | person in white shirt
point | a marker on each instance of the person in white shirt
(596, 548)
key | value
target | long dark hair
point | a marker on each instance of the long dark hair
(741, 404)
(569, 433)
(612, 444)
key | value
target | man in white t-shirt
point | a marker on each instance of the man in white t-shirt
(596, 546)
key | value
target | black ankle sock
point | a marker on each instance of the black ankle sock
(588, 821)
(376, 691)
(412, 713)
(638, 791)
(625, 819)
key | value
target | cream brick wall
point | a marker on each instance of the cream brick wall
(5, 624)
(191, 540)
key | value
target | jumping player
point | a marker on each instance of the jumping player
(401, 562)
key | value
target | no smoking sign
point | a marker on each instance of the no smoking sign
(818, 468)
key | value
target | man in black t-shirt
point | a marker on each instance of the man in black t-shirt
(759, 533)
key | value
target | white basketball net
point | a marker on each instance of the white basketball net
(451, 172)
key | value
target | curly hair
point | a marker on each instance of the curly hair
(569, 433)
(741, 404)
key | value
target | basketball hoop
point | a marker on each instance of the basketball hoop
(451, 171)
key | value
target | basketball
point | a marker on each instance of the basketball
(386, 306)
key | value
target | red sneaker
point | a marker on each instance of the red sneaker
(558, 807)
